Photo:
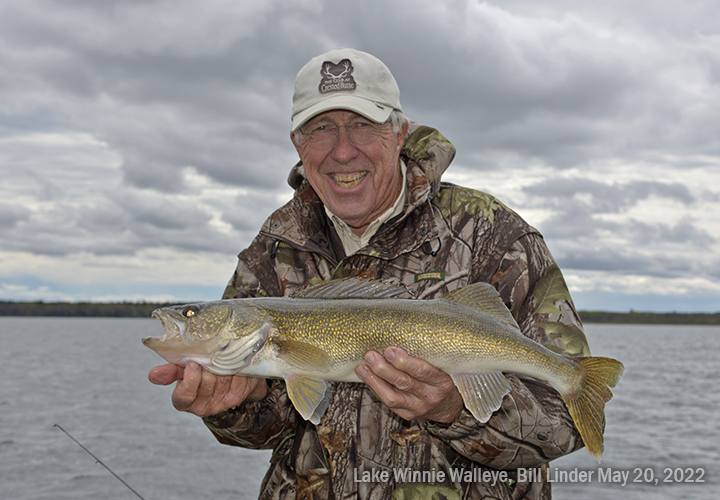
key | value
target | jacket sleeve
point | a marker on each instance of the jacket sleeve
(260, 425)
(265, 423)
(533, 425)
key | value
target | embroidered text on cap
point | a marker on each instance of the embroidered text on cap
(337, 77)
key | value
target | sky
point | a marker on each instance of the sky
(144, 142)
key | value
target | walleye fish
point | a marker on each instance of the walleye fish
(319, 335)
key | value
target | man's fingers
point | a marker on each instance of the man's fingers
(411, 387)
(245, 389)
(387, 393)
(405, 373)
(165, 374)
(203, 393)
(187, 390)
(393, 375)
(418, 369)
(222, 397)
(394, 387)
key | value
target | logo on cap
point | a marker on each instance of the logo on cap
(337, 77)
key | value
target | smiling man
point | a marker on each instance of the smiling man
(369, 202)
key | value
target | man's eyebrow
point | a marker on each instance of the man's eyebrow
(321, 121)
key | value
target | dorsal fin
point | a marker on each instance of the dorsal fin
(351, 288)
(483, 296)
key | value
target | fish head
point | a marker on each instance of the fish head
(220, 336)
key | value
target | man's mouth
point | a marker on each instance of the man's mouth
(348, 181)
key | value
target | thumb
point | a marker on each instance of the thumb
(165, 374)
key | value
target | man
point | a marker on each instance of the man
(369, 202)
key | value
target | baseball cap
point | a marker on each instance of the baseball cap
(345, 79)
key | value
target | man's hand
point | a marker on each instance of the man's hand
(203, 393)
(411, 387)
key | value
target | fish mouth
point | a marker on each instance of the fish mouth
(347, 181)
(172, 329)
(171, 345)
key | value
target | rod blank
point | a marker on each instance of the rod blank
(97, 460)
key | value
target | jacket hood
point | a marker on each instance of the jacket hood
(424, 146)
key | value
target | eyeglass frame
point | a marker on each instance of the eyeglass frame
(377, 127)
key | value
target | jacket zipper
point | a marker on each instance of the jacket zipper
(317, 249)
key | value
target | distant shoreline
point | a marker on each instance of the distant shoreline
(650, 318)
(144, 309)
(82, 309)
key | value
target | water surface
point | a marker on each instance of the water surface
(90, 376)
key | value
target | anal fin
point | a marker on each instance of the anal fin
(482, 392)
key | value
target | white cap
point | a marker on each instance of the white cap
(345, 79)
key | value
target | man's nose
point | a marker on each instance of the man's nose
(344, 149)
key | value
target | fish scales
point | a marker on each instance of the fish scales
(349, 328)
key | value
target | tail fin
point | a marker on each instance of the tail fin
(587, 406)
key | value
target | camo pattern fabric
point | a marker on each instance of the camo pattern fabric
(447, 237)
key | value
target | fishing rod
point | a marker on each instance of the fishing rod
(97, 460)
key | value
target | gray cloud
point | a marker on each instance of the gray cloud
(601, 197)
(248, 211)
(160, 212)
(148, 91)
(684, 232)
(579, 207)
(556, 88)
(608, 259)
(11, 215)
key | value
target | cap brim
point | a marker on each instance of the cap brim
(377, 112)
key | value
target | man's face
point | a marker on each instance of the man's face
(357, 183)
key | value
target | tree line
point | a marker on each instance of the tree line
(144, 309)
(81, 309)
(650, 318)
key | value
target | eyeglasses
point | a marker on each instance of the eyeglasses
(360, 133)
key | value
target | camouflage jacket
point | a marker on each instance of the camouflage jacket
(447, 237)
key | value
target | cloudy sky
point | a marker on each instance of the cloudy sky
(143, 142)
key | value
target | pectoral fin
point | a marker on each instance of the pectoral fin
(482, 392)
(303, 356)
(310, 396)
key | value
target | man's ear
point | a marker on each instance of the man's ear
(295, 142)
(402, 135)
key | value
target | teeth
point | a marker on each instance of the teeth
(348, 180)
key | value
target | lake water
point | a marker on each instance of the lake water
(90, 377)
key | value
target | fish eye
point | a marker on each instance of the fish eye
(190, 311)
